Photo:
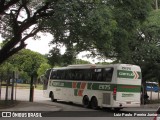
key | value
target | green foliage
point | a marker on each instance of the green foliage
(24, 76)
(129, 15)
(79, 61)
(43, 67)
(114, 29)
(57, 59)
(82, 25)
(103, 63)
(6, 71)
(25, 62)
(102, 27)
(146, 49)
(28, 61)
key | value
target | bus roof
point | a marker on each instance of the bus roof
(97, 66)
(83, 66)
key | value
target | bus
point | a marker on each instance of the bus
(113, 86)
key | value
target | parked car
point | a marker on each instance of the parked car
(152, 86)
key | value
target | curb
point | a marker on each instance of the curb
(11, 105)
(150, 106)
(29, 106)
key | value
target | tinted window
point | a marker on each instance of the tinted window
(54, 74)
(47, 74)
(107, 74)
(98, 74)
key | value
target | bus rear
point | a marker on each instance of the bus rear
(127, 90)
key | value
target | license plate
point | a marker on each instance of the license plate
(128, 102)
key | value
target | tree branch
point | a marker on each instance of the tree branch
(43, 8)
(18, 11)
(24, 3)
(6, 6)
(14, 23)
(19, 27)
(12, 52)
(31, 34)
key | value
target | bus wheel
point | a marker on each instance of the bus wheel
(94, 103)
(86, 102)
(52, 97)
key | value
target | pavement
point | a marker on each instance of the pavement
(150, 106)
(31, 106)
(36, 106)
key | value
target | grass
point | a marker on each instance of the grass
(27, 86)
(23, 86)
(39, 87)
(154, 101)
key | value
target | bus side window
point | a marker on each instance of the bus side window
(58, 74)
(107, 76)
(47, 73)
(62, 74)
(79, 74)
(67, 72)
(98, 75)
(88, 74)
(54, 74)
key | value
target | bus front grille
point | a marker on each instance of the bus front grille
(106, 98)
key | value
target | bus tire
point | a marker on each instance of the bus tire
(52, 97)
(94, 103)
(86, 102)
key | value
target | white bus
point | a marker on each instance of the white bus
(114, 86)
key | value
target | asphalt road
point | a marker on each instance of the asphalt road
(23, 94)
(69, 109)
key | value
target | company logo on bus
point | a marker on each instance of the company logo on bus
(128, 74)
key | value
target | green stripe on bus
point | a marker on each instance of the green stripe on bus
(110, 87)
(99, 86)
(129, 74)
(78, 84)
(75, 92)
(89, 85)
(62, 84)
(128, 88)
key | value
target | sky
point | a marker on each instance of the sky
(42, 46)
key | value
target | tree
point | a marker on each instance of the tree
(57, 59)
(43, 67)
(104, 28)
(146, 49)
(79, 61)
(6, 71)
(78, 24)
(25, 62)
(20, 20)
(16, 27)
